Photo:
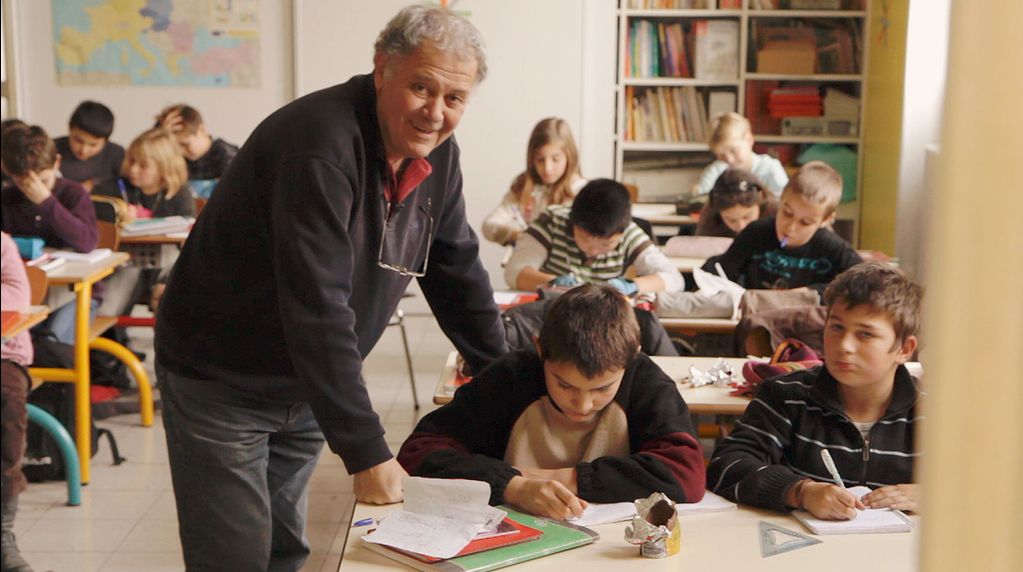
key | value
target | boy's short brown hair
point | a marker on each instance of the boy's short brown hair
(191, 120)
(882, 288)
(27, 148)
(592, 327)
(818, 183)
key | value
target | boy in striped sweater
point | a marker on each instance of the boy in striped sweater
(594, 241)
(861, 406)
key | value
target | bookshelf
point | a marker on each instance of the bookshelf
(795, 68)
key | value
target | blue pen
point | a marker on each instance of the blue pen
(364, 522)
(124, 192)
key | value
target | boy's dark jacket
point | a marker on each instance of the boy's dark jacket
(756, 259)
(778, 440)
(467, 438)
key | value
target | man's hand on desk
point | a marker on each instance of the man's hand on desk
(380, 484)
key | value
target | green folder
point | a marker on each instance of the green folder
(557, 537)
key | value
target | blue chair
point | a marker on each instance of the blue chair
(56, 430)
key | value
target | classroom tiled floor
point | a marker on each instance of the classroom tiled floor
(127, 520)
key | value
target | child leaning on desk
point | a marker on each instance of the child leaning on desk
(585, 418)
(593, 241)
(731, 141)
(155, 182)
(860, 406)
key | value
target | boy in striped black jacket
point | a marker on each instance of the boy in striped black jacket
(861, 406)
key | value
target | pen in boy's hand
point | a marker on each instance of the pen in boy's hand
(829, 463)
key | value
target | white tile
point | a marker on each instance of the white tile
(330, 479)
(321, 535)
(148, 561)
(331, 563)
(127, 505)
(164, 508)
(151, 535)
(65, 561)
(331, 507)
(132, 475)
(96, 535)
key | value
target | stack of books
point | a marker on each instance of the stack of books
(156, 226)
(802, 101)
(519, 538)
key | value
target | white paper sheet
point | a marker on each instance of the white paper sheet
(439, 517)
(605, 513)
(709, 503)
(431, 535)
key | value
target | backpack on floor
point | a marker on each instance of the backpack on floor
(43, 460)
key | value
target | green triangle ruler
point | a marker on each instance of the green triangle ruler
(775, 539)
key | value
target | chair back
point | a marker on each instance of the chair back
(38, 283)
(109, 235)
(110, 209)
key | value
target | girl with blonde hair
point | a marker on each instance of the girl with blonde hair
(157, 178)
(551, 177)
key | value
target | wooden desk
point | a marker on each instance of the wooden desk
(79, 278)
(661, 213)
(154, 250)
(709, 400)
(686, 263)
(699, 325)
(717, 541)
(30, 317)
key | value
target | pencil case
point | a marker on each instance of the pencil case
(29, 248)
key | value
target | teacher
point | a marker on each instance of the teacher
(289, 278)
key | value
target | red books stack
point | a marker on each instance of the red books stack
(803, 101)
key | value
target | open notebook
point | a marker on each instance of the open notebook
(870, 521)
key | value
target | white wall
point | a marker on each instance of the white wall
(230, 113)
(545, 58)
(926, 60)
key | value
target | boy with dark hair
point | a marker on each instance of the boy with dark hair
(594, 241)
(42, 204)
(87, 154)
(861, 406)
(587, 418)
(207, 158)
(795, 247)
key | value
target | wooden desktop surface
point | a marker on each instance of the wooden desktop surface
(28, 318)
(686, 263)
(173, 238)
(660, 213)
(727, 540)
(73, 272)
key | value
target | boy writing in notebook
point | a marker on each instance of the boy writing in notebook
(795, 247)
(860, 406)
(584, 418)
(593, 241)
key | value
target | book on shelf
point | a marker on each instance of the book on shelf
(717, 49)
(719, 102)
(552, 537)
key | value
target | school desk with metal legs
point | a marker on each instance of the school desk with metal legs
(79, 278)
(728, 540)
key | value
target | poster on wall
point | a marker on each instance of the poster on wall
(206, 43)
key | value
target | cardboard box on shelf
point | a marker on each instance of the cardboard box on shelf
(787, 57)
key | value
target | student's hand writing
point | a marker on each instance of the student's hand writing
(33, 187)
(380, 484)
(829, 502)
(901, 497)
(131, 213)
(541, 497)
(565, 476)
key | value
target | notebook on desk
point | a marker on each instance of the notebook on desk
(549, 537)
(869, 521)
